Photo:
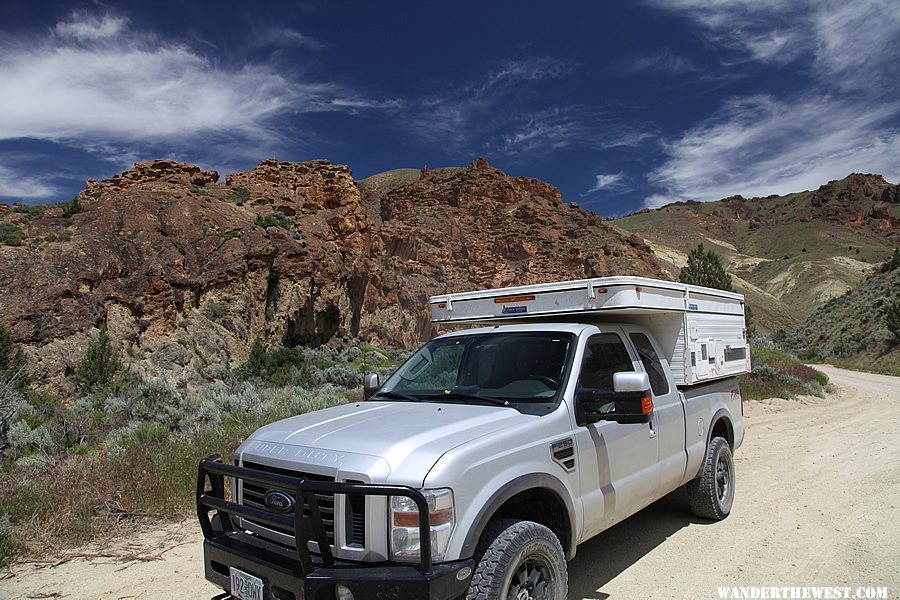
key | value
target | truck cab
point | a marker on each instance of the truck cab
(475, 470)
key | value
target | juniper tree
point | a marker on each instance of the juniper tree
(705, 268)
(99, 365)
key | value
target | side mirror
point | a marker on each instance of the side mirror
(631, 381)
(370, 385)
(629, 402)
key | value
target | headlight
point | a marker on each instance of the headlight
(405, 544)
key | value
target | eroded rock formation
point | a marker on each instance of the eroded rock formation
(185, 272)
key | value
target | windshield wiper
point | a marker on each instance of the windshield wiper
(396, 396)
(468, 396)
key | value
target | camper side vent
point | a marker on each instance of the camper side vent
(563, 453)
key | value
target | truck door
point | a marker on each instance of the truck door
(668, 410)
(617, 461)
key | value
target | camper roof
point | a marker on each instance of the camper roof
(581, 298)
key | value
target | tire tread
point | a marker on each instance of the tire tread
(492, 554)
(702, 493)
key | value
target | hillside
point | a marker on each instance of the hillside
(186, 272)
(850, 329)
(788, 254)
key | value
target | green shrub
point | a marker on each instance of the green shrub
(255, 366)
(72, 207)
(24, 440)
(99, 366)
(11, 234)
(274, 220)
(238, 194)
(31, 211)
(892, 319)
(820, 378)
(279, 366)
(777, 373)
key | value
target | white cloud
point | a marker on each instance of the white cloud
(95, 82)
(761, 30)
(490, 113)
(611, 181)
(86, 27)
(532, 69)
(657, 200)
(849, 43)
(858, 43)
(564, 127)
(16, 186)
(759, 146)
(285, 36)
(664, 61)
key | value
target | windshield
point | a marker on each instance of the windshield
(499, 367)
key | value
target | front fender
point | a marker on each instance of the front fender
(511, 489)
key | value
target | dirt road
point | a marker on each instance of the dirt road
(818, 504)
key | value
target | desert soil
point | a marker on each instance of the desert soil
(818, 491)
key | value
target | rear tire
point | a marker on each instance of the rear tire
(711, 495)
(519, 559)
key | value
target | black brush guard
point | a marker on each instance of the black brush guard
(308, 577)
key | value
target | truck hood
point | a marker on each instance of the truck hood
(409, 436)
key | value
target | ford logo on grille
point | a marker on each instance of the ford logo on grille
(279, 501)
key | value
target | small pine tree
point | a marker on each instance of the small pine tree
(99, 365)
(892, 319)
(257, 362)
(704, 267)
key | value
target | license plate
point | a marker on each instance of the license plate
(245, 586)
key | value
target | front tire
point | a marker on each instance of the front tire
(519, 560)
(711, 495)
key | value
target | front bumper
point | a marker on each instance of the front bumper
(283, 579)
(293, 573)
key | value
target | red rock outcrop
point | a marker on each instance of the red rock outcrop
(179, 270)
(160, 171)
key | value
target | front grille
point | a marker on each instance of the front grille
(254, 495)
(356, 519)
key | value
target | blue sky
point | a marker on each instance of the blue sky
(619, 104)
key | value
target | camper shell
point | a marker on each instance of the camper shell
(701, 331)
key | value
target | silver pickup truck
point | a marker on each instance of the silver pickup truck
(473, 472)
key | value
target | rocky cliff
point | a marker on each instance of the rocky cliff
(185, 272)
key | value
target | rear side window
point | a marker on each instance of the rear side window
(650, 360)
(604, 355)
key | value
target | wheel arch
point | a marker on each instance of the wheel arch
(535, 497)
(721, 426)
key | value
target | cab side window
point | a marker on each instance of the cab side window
(604, 354)
(650, 359)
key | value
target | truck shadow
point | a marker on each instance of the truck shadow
(606, 556)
